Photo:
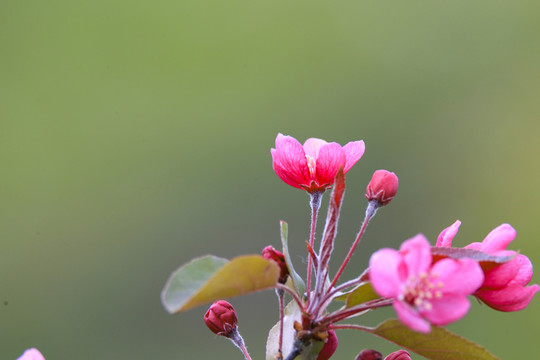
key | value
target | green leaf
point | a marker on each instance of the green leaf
(210, 278)
(362, 293)
(299, 285)
(292, 314)
(439, 344)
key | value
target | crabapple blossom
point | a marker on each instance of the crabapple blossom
(399, 355)
(329, 347)
(31, 354)
(382, 187)
(422, 290)
(313, 166)
(369, 354)
(504, 286)
(221, 318)
(277, 256)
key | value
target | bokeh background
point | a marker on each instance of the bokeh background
(136, 135)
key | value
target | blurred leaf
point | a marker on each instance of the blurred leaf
(210, 278)
(292, 314)
(362, 293)
(298, 283)
(439, 344)
(461, 253)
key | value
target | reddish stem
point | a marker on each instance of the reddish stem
(315, 203)
(335, 290)
(345, 313)
(370, 211)
(352, 326)
(280, 294)
(293, 294)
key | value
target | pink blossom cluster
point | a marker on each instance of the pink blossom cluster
(427, 291)
(505, 285)
(425, 285)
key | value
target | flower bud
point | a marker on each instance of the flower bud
(221, 318)
(329, 347)
(398, 355)
(272, 254)
(369, 354)
(382, 187)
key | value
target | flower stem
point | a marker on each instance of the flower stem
(315, 203)
(370, 212)
(292, 293)
(237, 340)
(331, 292)
(352, 326)
(280, 294)
(345, 313)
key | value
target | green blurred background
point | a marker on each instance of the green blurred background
(136, 135)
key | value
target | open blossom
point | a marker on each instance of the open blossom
(422, 290)
(505, 285)
(31, 354)
(313, 166)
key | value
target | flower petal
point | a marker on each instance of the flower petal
(289, 161)
(511, 298)
(312, 146)
(417, 254)
(331, 158)
(387, 272)
(501, 275)
(31, 354)
(447, 235)
(525, 272)
(497, 240)
(353, 152)
(461, 277)
(447, 309)
(410, 317)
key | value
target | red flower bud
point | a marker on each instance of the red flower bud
(329, 347)
(221, 318)
(398, 355)
(369, 354)
(272, 254)
(382, 187)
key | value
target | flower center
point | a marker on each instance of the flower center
(312, 166)
(420, 290)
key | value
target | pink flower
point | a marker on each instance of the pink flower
(31, 354)
(504, 287)
(422, 290)
(314, 166)
(382, 187)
